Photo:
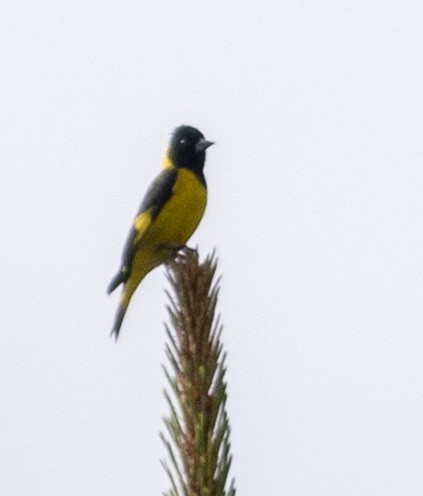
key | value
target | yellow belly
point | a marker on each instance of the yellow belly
(180, 216)
(173, 227)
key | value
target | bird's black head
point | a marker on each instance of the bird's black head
(188, 148)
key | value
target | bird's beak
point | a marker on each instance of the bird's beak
(202, 145)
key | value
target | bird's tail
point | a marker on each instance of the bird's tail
(127, 292)
(119, 278)
(131, 282)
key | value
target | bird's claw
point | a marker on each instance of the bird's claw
(178, 250)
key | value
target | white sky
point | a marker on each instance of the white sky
(316, 208)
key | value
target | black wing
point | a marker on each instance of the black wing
(156, 197)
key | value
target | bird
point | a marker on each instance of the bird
(171, 210)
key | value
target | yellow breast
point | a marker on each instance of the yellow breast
(181, 215)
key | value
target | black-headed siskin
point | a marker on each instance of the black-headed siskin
(169, 214)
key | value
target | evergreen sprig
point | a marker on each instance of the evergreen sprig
(197, 439)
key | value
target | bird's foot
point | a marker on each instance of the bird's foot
(178, 250)
(187, 250)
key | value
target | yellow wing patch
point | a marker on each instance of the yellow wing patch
(141, 223)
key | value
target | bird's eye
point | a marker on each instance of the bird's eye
(183, 141)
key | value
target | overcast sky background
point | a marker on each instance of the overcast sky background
(315, 209)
